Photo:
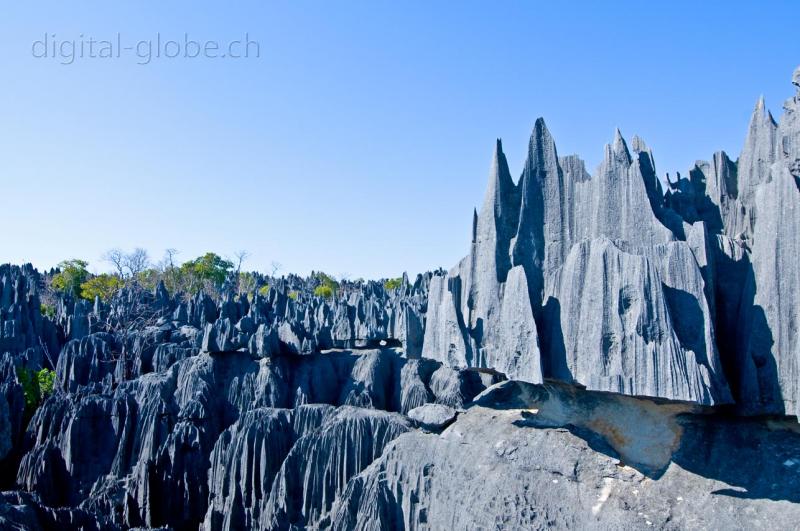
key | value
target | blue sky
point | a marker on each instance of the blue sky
(360, 139)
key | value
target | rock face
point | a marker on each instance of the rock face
(690, 295)
(588, 280)
(318, 468)
(212, 437)
(551, 456)
(753, 206)
(480, 315)
(433, 417)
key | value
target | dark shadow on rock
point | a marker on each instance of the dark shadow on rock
(745, 340)
(729, 281)
(687, 321)
(595, 441)
(759, 349)
(758, 457)
(554, 353)
(476, 333)
(743, 336)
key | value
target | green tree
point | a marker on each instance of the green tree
(103, 286)
(328, 282)
(208, 268)
(326, 292)
(47, 381)
(393, 283)
(264, 290)
(73, 273)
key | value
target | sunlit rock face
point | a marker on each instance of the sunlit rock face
(552, 456)
(591, 280)
(691, 295)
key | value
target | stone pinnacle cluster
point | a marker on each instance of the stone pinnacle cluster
(609, 355)
(605, 281)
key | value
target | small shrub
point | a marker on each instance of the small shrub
(36, 386)
(47, 381)
(393, 283)
(326, 292)
(264, 290)
(47, 310)
(293, 295)
(327, 285)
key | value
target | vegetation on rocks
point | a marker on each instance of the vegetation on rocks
(36, 386)
(326, 292)
(72, 273)
(393, 283)
(47, 310)
(103, 286)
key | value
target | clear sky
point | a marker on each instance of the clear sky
(360, 138)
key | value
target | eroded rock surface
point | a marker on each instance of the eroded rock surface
(391, 408)
(552, 456)
(690, 295)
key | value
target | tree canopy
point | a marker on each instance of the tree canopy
(393, 283)
(210, 268)
(72, 274)
(103, 286)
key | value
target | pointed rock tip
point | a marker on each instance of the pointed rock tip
(796, 77)
(761, 114)
(760, 105)
(540, 131)
(498, 149)
(541, 148)
(619, 146)
(541, 142)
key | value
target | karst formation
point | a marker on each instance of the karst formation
(607, 355)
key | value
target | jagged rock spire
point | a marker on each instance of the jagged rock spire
(542, 153)
(620, 148)
(541, 167)
(647, 165)
(758, 154)
(496, 224)
(500, 206)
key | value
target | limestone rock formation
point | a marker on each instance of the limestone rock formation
(204, 439)
(495, 395)
(551, 456)
(754, 205)
(591, 280)
(690, 295)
